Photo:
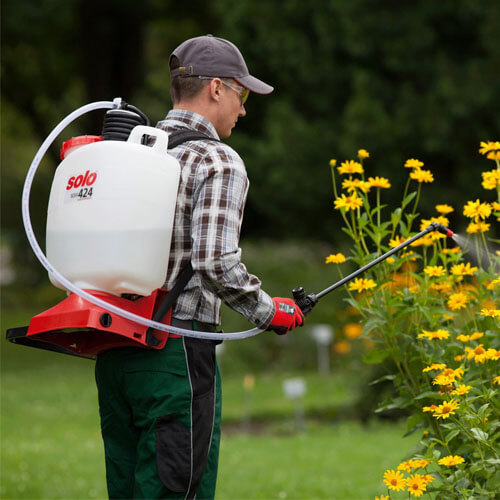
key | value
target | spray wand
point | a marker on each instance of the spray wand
(307, 302)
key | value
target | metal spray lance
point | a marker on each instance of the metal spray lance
(307, 302)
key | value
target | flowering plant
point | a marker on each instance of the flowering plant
(436, 314)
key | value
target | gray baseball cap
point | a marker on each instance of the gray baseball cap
(211, 56)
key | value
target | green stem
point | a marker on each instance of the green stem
(486, 249)
(406, 187)
(498, 185)
(332, 168)
(361, 235)
(417, 199)
(473, 440)
(378, 220)
(360, 309)
(342, 212)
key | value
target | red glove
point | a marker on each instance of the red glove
(287, 316)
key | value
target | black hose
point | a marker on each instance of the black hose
(118, 123)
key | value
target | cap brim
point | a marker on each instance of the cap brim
(254, 84)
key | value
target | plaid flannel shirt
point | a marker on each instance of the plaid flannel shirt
(209, 212)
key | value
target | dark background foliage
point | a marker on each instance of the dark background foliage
(400, 79)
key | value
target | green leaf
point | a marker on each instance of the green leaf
(376, 356)
(349, 232)
(395, 217)
(479, 434)
(429, 394)
(408, 199)
(414, 423)
(494, 461)
(451, 435)
(382, 379)
(482, 411)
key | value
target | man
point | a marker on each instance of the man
(160, 410)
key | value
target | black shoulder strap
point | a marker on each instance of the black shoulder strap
(180, 136)
(175, 139)
(169, 300)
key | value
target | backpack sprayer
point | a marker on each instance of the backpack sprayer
(109, 226)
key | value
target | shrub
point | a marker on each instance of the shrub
(435, 315)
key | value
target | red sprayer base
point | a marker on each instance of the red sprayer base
(75, 326)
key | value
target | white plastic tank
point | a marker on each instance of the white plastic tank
(111, 212)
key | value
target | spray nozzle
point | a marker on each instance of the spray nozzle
(442, 229)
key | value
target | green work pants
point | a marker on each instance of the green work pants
(160, 419)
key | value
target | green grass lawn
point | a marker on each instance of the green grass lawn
(51, 445)
(338, 461)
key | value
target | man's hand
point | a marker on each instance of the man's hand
(287, 316)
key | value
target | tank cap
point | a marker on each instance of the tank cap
(75, 142)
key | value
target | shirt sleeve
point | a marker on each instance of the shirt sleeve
(220, 196)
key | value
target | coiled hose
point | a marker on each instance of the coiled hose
(66, 283)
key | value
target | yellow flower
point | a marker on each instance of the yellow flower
(406, 466)
(457, 301)
(463, 269)
(496, 380)
(451, 460)
(435, 271)
(383, 497)
(463, 338)
(429, 408)
(494, 155)
(393, 243)
(487, 146)
(338, 258)
(426, 240)
(492, 313)
(441, 286)
(441, 219)
(448, 376)
(477, 210)
(444, 209)
(459, 357)
(428, 478)
(421, 463)
(350, 167)
(438, 334)
(333, 162)
(379, 182)
(478, 227)
(481, 355)
(446, 409)
(348, 202)
(491, 179)
(360, 284)
(414, 163)
(477, 351)
(353, 330)
(450, 250)
(461, 390)
(353, 184)
(394, 480)
(434, 366)
(494, 204)
(493, 284)
(363, 153)
(342, 347)
(422, 176)
(476, 335)
(416, 485)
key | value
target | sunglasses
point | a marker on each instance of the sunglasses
(242, 91)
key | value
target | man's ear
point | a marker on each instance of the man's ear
(215, 88)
